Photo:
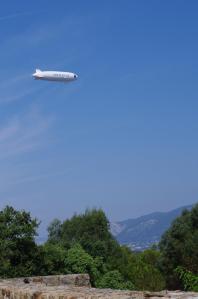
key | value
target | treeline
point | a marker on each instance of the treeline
(84, 244)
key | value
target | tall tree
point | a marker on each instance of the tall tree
(90, 230)
(54, 231)
(179, 246)
(18, 250)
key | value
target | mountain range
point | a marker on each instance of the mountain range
(142, 232)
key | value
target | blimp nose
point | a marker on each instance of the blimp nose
(75, 76)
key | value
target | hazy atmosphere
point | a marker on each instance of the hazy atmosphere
(123, 137)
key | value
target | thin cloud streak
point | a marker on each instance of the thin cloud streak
(19, 96)
(16, 15)
(23, 134)
(36, 36)
(16, 88)
(10, 81)
(41, 177)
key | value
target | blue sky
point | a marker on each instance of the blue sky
(124, 136)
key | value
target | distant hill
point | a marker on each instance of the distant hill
(144, 231)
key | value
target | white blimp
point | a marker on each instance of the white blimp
(54, 76)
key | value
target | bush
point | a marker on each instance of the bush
(190, 281)
(53, 259)
(79, 261)
(114, 280)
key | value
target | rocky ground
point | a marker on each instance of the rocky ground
(73, 287)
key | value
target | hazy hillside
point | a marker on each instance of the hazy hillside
(142, 232)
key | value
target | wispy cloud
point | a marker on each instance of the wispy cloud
(23, 133)
(38, 35)
(7, 82)
(16, 88)
(41, 176)
(15, 15)
(30, 37)
(16, 96)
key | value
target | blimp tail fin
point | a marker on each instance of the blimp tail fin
(38, 70)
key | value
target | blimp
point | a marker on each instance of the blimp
(54, 76)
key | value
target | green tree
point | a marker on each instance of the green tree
(54, 231)
(147, 276)
(79, 261)
(18, 250)
(178, 247)
(98, 253)
(91, 230)
(141, 269)
(53, 259)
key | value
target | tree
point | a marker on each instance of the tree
(98, 253)
(53, 259)
(147, 276)
(79, 261)
(18, 250)
(54, 231)
(91, 230)
(179, 247)
(141, 269)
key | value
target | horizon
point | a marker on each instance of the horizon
(123, 136)
(42, 230)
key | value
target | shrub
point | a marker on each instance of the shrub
(189, 280)
(114, 280)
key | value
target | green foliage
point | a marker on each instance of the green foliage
(82, 244)
(114, 280)
(91, 231)
(190, 281)
(178, 247)
(53, 259)
(18, 250)
(147, 276)
(151, 257)
(79, 261)
(92, 249)
(54, 231)
(139, 268)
